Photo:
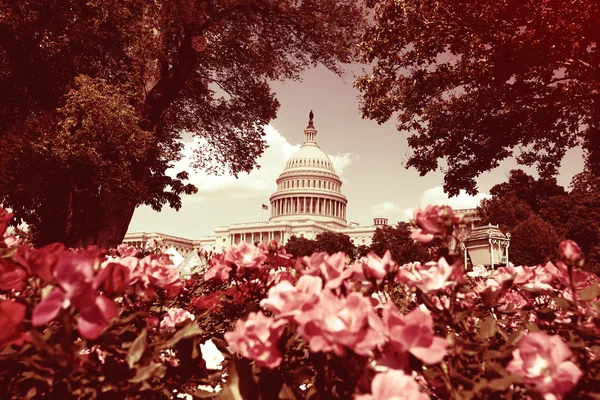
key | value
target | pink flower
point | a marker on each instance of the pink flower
(336, 324)
(246, 256)
(158, 272)
(11, 320)
(433, 221)
(511, 301)
(376, 267)
(431, 276)
(393, 385)
(257, 339)
(328, 266)
(413, 333)
(286, 300)
(174, 317)
(12, 276)
(95, 316)
(570, 250)
(219, 271)
(73, 275)
(113, 279)
(542, 360)
(581, 279)
(5, 218)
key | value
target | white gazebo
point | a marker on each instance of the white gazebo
(487, 246)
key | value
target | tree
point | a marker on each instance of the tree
(534, 192)
(300, 246)
(96, 94)
(361, 251)
(474, 80)
(332, 242)
(534, 241)
(400, 244)
(577, 217)
(507, 211)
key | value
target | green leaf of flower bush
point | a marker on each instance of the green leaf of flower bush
(186, 332)
(589, 293)
(137, 349)
(488, 328)
(504, 383)
(148, 371)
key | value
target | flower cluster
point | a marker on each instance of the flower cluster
(319, 325)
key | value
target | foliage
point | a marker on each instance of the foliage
(476, 81)
(534, 192)
(397, 239)
(576, 216)
(506, 211)
(315, 328)
(532, 241)
(332, 242)
(300, 246)
(96, 95)
(328, 242)
(572, 215)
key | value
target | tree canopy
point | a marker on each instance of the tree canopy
(96, 95)
(397, 239)
(477, 81)
(300, 246)
(539, 212)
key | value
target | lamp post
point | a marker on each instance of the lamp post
(487, 246)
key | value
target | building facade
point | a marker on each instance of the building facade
(308, 201)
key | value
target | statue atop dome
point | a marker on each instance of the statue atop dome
(310, 120)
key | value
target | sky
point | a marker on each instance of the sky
(368, 157)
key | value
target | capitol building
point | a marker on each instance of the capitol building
(308, 201)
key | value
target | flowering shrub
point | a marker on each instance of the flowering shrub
(85, 323)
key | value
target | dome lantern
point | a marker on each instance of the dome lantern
(310, 133)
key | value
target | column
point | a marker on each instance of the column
(252, 237)
(304, 201)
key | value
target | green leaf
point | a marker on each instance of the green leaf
(562, 303)
(189, 331)
(137, 348)
(488, 328)
(589, 293)
(504, 383)
(148, 371)
(231, 389)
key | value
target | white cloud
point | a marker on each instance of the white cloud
(341, 161)
(437, 196)
(434, 195)
(258, 181)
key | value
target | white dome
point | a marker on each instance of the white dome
(309, 186)
(309, 156)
